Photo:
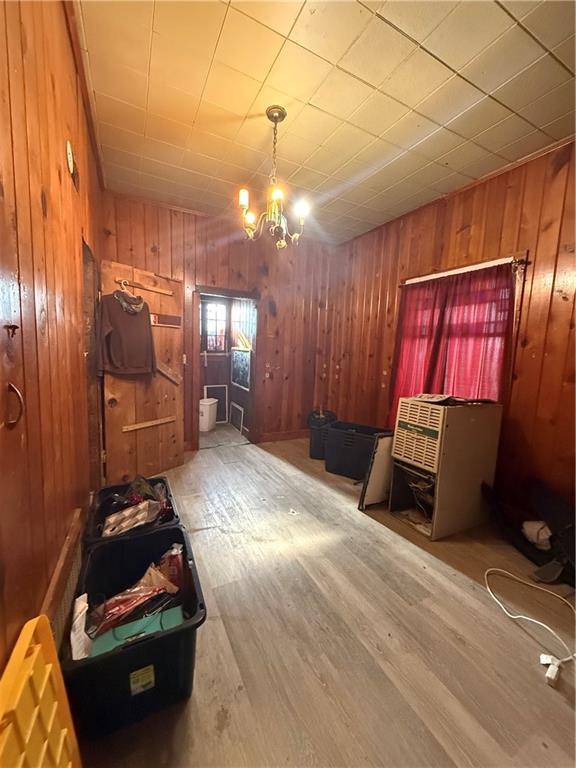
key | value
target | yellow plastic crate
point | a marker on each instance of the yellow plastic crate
(36, 729)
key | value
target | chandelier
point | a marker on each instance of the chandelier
(273, 219)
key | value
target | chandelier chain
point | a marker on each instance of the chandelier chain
(274, 142)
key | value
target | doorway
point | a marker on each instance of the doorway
(227, 348)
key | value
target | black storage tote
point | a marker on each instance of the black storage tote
(317, 422)
(145, 674)
(349, 448)
(97, 515)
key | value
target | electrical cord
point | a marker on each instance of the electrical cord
(554, 664)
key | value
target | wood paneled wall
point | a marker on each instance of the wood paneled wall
(530, 207)
(43, 220)
(213, 252)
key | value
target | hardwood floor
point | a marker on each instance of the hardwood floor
(336, 640)
(222, 435)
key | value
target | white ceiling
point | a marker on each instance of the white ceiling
(390, 104)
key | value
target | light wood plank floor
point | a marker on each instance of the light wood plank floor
(222, 435)
(334, 639)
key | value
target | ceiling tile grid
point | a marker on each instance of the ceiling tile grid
(390, 104)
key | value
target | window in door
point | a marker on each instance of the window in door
(214, 321)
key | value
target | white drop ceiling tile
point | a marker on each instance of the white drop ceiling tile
(152, 167)
(452, 182)
(478, 118)
(417, 19)
(409, 130)
(324, 161)
(279, 15)
(209, 166)
(466, 31)
(120, 30)
(432, 173)
(208, 144)
(419, 199)
(553, 105)
(508, 130)
(377, 154)
(382, 202)
(120, 114)
(313, 124)
(307, 178)
(211, 118)
(329, 29)
(256, 115)
(255, 132)
(118, 82)
(358, 195)
(172, 103)
(535, 81)
(377, 52)
(119, 173)
(177, 65)
(233, 173)
(295, 148)
(160, 150)
(230, 89)
(340, 94)
(561, 128)
(438, 143)
(338, 206)
(169, 131)
(510, 54)
(405, 187)
(297, 71)
(378, 113)
(565, 52)
(525, 146)
(551, 22)
(118, 138)
(483, 166)
(450, 100)
(461, 156)
(247, 45)
(419, 75)
(520, 8)
(347, 140)
(397, 170)
(121, 157)
(196, 25)
(245, 157)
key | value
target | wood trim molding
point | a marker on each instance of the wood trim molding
(274, 437)
(72, 26)
(58, 583)
(229, 293)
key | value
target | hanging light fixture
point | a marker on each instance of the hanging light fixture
(273, 219)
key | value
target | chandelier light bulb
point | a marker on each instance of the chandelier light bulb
(250, 218)
(301, 209)
(277, 194)
(243, 199)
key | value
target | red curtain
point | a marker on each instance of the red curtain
(453, 336)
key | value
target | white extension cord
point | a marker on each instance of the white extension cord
(553, 664)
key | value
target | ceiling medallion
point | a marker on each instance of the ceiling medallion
(273, 218)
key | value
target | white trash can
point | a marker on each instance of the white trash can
(208, 407)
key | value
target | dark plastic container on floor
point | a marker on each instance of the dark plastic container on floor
(97, 516)
(349, 448)
(142, 676)
(317, 422)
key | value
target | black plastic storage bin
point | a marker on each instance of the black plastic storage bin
(318, 422)
(349, 448)
(101, 689)
(96, 517)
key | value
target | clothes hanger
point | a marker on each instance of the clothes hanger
(124, 288)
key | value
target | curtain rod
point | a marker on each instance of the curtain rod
(469, 268)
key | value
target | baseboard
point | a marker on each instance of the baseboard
(273, 437)
(59, 597)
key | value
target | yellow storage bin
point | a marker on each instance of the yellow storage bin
(36, 729)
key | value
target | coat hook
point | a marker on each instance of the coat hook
(11, 329)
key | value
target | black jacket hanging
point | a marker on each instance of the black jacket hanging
(126, 346)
